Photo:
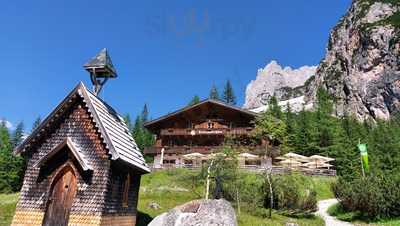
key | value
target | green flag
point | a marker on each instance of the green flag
(364, 156)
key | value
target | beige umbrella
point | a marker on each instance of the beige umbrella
(281, 158)
(290, 162)
(321, 158)
(194, 155)
(248, 156)
(315, 165)
(297, 157)
(214, 155)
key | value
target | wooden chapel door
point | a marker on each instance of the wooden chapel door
(62, 196)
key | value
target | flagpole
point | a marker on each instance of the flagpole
(362, 166)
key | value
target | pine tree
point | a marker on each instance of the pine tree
(36, 123)
(17, 135)
(11, 167)
(228, 95)
(274, 108)
(302, 133)
(128, 122)
(290, 128)
(4, 135)
(214, 95)
(324, 121)
(195, 100)
(137, 127)
(145, 114)
(141, 135)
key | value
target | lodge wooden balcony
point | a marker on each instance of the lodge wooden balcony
(203, 131)
(200, 149)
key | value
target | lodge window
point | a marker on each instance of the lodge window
(127, 185)
(169, 161)
(252, 162)
(211, 125)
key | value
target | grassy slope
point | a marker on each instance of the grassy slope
(172, 188)
(7, 207)
(323, 187)
(337, 211)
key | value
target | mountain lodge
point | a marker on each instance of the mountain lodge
(187, 137)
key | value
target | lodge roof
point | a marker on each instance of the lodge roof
(206, 101)
(111, 126)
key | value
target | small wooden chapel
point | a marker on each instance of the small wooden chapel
(83, 166)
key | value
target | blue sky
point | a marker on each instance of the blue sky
(164, 51)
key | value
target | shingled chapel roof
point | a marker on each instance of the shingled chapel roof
(111, 126)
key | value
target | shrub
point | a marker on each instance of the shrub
(293, 193)
(250, 187)
(375, 196)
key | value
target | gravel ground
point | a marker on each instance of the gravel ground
(323, 206)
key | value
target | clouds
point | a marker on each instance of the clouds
(8, 124)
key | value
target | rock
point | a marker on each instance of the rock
(198, 213)
(154, 206)
(361, 68)
(273, 80)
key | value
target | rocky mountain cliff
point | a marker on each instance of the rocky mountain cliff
(361, 66)
(273, 80)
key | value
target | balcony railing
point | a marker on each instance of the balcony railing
(191, 149)
(215, 131)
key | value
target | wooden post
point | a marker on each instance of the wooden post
(208, 179)
(269, 172)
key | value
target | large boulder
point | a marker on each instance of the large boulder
(198, 213)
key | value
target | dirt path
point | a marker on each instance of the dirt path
(323, 206)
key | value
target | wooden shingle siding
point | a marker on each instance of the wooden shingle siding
(86, 136)
(114, 198)
(79, 127)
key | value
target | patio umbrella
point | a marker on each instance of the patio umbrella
(297, 157)
(194, 155)
(281, 158)
(248, 156)
(214, 155)
(316, 164)
(320, 158)
(290, 162)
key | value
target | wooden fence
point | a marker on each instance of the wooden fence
(257, 169)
